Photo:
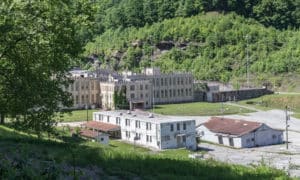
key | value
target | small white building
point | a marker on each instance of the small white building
(155, 131)
(238, 133)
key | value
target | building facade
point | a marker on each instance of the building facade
(155, 131)
(238, 133)
(141, 90)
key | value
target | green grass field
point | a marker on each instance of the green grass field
(276, 101)
(79, 115)
(198, 109)
(26, 157)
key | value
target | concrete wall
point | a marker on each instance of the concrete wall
(262, 137)
(236, 95)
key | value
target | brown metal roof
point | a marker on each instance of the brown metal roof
(101, 126)
(231, 126)
(89, 133)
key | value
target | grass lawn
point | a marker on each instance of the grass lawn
(79, 115)
(26, 157)
(276, 101)
(198, 109)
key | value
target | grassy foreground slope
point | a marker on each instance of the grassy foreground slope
(23, 156)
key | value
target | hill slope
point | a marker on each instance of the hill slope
(212, 46)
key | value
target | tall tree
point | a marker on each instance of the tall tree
(38, 42)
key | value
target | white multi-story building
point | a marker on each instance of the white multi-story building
(155, 131)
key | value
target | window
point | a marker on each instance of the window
(184, 139)
(118, 120)
(132, 95)
(137, 136)
(165, 138)
(108, 118)
(141, 87)
(148, 138)
(127, 122)
(102, 139)
(161, 82)
(184, 126)
(138, 124)
(148, 126)
(146, 86)
(127, 134)
(274, 136)
(178, 127)
(172, 127)
(132, 88)
(142, 96)
(146, 95)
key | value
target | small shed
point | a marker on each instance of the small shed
(103, 138)
(238, 133)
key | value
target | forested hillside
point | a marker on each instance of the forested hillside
(214, 39)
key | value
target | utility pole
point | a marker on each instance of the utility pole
(287, 118)
(247, 59)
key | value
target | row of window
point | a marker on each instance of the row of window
(138, 136)
(84, 85)
(172, 93)
(141, 87)
(177, 127)
(127, 122)
(173, 81)
(132, 95)
(84, 99)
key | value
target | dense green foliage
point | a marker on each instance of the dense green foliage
(31, 158)
(212, 46)
(120, 100)
(39, 42)
(127, 13)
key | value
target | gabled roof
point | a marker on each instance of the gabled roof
(88, 133)
(231, 126)
(101, 126)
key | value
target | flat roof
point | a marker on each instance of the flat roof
(144, 116)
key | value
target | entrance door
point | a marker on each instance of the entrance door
(231, 142)
(179, 141)
(220, 138)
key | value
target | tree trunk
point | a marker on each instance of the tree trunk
(2, 118)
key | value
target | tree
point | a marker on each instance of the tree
(38, 42)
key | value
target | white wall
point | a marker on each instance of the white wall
(262, 137)
(171, 140)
